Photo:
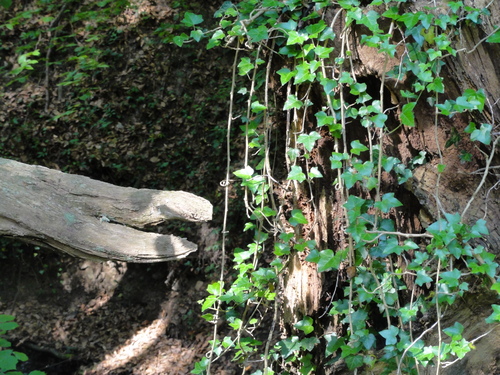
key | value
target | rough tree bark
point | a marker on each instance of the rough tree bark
(93, 219)
(308, 292)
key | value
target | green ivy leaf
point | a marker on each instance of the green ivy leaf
(297, 218)
(496, 287)
(323, 52)
(289, 346)
(388, 201)
(350, 178)
(422, 278)
(354, 361)
(305, 325)
(407, 313)
(258, 34)
(191, 19)
(495, 38)
(391, 246)
(201, 366)
(296, 37)
(208, 302)
(357, 147)
(292, 102)
(333, 343)
(308, 140)
(314, 173)
(368, 341)
(258, 107)
(225, 7)
(407, 116)
(281, 249)
(451, 278)
(336, 159)
(245, 173)
(483, 134)
(315, 28)
(323, 119)
(215, 40)
(455, 331)
(436, 85)
(180, 39)
(305, 73)
(245, 66)
(328, 260)
(215, 288)
(296, 174)
(327, 34)
(495, 316)
(286, 75)
(479, 228)
(309, 343)
(410, 19)
(196, 35)
(293, 154)
(390, 335)
(313, 256)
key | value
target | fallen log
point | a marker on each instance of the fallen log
(92, 219)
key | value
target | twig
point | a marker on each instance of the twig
(483, 179)
(226, 207)
(448, 364)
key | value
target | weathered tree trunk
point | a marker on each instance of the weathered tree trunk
(93, 219)
(476, 67)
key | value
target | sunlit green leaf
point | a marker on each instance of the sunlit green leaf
(191, 19)
(407, 116)
(305, 325)
(357, 147)
(296, 174)
(244, 173)
(292, 102)
(245, 66)
(495, 316)
(495, 38)
(308, 140)
(314, 173)
(286, 75)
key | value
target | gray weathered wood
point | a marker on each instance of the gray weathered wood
(93, 219)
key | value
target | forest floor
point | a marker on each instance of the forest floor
(81, 317)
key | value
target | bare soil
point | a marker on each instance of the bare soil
(81, 317)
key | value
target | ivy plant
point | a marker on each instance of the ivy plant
(315, 55)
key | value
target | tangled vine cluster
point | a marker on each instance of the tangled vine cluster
(314, 45)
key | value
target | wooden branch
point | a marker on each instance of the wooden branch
(93, 219)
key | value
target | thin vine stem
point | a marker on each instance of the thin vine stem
(226, 184)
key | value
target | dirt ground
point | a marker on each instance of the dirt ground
(81, 317)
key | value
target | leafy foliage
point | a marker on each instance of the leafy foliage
(9, 359)
(322, 99)
(308, 45)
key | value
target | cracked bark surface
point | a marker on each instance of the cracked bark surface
(92, 219)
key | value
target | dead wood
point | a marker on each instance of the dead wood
(92, 219)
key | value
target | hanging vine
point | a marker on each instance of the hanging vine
(300, 61)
